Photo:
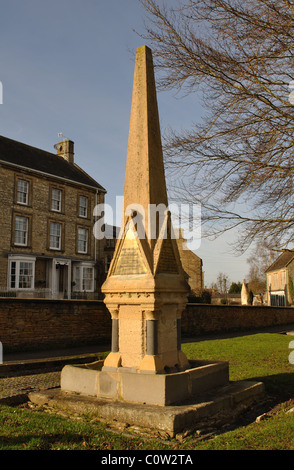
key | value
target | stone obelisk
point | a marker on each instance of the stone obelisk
(145, 290)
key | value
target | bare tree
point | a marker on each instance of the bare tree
(238, 162)
(260, 259)
(222, 283)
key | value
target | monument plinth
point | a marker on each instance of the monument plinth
(146, 293)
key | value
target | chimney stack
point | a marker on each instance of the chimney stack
(65, 149)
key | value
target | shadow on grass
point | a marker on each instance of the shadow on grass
(31, 441)
(279, 385)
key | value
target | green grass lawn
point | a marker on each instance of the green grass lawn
(255, 357)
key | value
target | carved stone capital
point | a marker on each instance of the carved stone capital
(114, 312)
(151, 314)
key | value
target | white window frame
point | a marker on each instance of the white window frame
(24, 231)
(83, 237)
(83, 208)
(22, 192)
(55, 236)
(17, 263)
(56, 200)
(80, 278)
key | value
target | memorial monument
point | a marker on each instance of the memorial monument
(145, 290)
(146, 372)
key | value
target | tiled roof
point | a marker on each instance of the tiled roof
(281, 262)
(32, 158)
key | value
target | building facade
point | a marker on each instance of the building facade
(111, 235)
(280, 278)
(47, 246)
(192, 266)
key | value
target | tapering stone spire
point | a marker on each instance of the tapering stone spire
(144, 178)
(145, 187)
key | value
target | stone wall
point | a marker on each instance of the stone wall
(29, 324)
(201, 319)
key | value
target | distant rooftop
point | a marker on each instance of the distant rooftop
(281, 262)
(32, 158)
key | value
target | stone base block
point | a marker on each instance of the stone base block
(143, 387)
(214, 408)
(81, 378)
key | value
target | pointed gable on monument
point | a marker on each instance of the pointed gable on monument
(130, 258)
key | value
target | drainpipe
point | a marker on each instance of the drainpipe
(95, 240)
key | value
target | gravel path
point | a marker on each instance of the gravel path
(21, 385)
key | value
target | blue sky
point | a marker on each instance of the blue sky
(67, 66)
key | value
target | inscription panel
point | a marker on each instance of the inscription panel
(130, 260)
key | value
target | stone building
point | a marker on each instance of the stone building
(192, 266)
(47, 247)
(111, 235)
(280, 278)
